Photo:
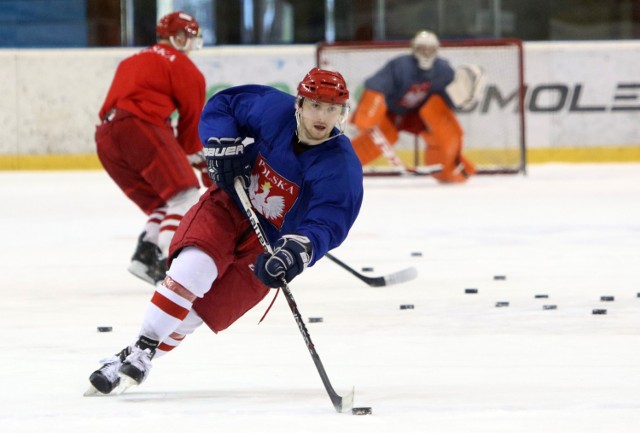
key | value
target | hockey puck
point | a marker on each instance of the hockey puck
(549, 307)
(502, 304)
(542, 296)
(413, 254)
(315, 319)
(499, 277)
(471, 290)
(367, 269)
(361, 411)
(406, 307)
(105, 329)
(607, 298)
(599, 311)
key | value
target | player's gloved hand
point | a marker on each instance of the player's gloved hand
(226, 160)
(199, 163)
(290, 257)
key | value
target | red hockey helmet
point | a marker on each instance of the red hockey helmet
(324, 86)
(169, 25)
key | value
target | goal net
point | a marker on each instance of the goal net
(494, 127)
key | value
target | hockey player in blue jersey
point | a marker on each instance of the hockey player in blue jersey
(305, 183)
(418, 93)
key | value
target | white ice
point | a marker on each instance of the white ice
(455, 363)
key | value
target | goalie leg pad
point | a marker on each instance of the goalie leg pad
(469, 167)
(365, 148)
(365, 145)
(371, 110)
(443, 139)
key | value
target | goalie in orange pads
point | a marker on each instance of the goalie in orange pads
(417, 93)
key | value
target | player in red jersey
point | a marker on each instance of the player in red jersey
(418, 93)
(136, 142)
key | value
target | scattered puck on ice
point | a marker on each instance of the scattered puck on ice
(406, 307)
(499, 277)
(607, 298)
(361, 411)
(502, 304)
(542, 296)
(367, 269)
(315, 319)
(413, 254)
(105, 329)
(471, 290)
(549, 307)
(599, 311)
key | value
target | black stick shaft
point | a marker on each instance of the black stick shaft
(337, 400)
(372, 281)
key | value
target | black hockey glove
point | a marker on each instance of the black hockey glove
(226, 160)
(290, 257)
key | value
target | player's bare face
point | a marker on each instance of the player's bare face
(317, 119)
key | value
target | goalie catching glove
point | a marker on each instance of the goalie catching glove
(290, 257)
(226, 160)
(467, 86)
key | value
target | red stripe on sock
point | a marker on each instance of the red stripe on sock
(168, 228)
(173, 216)
(168, 306)
(166, 347)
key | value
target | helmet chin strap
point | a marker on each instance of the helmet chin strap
(317, 142)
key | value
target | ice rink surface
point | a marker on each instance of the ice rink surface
(455, 363)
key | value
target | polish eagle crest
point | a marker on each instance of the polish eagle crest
(271, 207)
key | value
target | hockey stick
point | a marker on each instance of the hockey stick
(341, 404)
(383, 144)
(386, 280)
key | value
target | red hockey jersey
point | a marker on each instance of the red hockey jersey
(155, 82)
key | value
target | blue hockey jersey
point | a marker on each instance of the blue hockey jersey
(316, 193)
(406, 87)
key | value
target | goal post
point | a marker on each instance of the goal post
(494, 126)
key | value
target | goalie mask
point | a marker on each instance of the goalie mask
(324, 86)
(425, 46)
(179, 23)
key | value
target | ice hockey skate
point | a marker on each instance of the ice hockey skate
(106, 379)
(147, 263)
(137, 364)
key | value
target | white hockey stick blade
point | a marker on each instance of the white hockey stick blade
(401, 276)
(394, 278)
(347, 402)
